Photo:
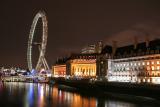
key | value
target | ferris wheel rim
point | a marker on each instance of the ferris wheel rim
(40, 14)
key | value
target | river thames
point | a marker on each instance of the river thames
(17, 94)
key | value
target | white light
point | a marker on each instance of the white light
(158, 80)
(148, 80)
(135, 64)
(153, 80)
(143, 80)
(127, 68)
(143, 63)
(49, 75)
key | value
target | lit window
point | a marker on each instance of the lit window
(157, 67)
(148, 68)
(131, 64)
(135, 64)
(143, 63)
(152, 62)
(124, 64)
(148, 80)
(127, 68)
(143, 80)
(147, 63)
(157, 62)
(152, 67)
(139, 64)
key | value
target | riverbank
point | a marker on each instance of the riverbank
(129, 91)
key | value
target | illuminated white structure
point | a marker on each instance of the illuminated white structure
(135, 69)
(42, 46)
(140, 63)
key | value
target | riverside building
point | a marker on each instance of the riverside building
(59, 68)
(139, 63)
(82, 65)
(87, 64)
(136, 63)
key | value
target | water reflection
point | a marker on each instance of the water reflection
(43, 95)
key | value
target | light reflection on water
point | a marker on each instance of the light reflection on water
(43, 95)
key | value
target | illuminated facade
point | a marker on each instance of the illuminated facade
(136, 63)
(135, 69)
(80, 65)
(59, 70)
(83, 68)
(77, 65)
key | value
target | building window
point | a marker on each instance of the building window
(147, 63)
(157, 62)
(157, 67)
(135, 64)
(152, 67)
(143, 63)
(148, 68)
(139, 64)
(127, 68)
(152, 62)
(143, 80)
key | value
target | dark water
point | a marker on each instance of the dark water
(42, 95)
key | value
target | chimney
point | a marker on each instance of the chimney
(99, 47)
(114, 45)
(147, 40)
(135, 42)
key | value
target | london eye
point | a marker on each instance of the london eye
(42, 45)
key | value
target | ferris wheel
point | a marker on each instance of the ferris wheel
(41, 63)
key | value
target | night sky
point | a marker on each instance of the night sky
(73, 25)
